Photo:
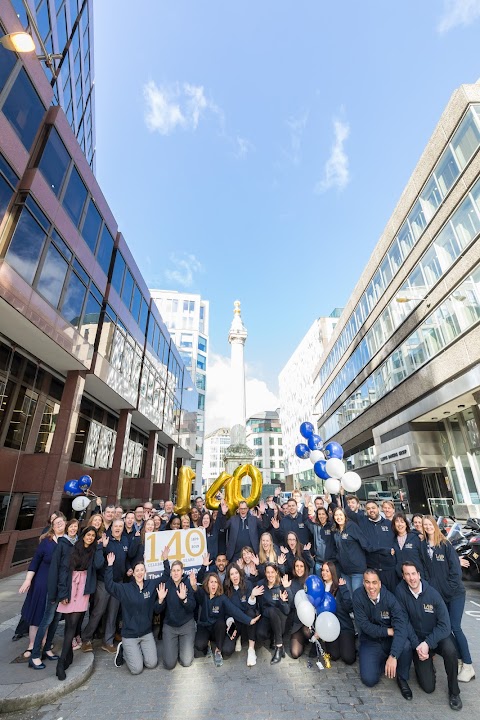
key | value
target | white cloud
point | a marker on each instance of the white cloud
(243, 147)
(185, 268)
(336, 172)
(458, 12)
(297, 126)
(171, 107)
(219, 395)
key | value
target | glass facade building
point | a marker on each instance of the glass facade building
(403, 346)
(90, 379)
(264, 437)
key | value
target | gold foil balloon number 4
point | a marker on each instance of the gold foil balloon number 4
(232, 485)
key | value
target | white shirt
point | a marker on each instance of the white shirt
(416, 594)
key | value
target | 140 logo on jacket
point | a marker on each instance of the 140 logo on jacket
(185, 545)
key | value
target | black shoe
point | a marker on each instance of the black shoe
(18, 637)
(455, 702)
(404, 688)
(119, 655)
(277, 655)
(61, 675)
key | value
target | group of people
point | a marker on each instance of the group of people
(398, 587)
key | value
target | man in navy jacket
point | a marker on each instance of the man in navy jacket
(429, 631)
(243, 530)
(378, 531)
(383, 629)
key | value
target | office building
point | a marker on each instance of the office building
(264, 437)
(297, 392)
(399, 384)
(186, 316)
(65, 28)
(214, 447)
(90, 380)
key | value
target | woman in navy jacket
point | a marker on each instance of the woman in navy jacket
(344, 646)
(445, 575)
(139, 600)
(242, 594)
(213, 610)
(299, 634)
(351, 545)
(274, 602)
(294, 550)
(407, 546)
(323, 539)
(178, 600)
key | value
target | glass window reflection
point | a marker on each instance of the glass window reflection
(73, 300)
(52, 277)
(26, 246)
(24, 109)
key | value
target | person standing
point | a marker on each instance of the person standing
(378, 532)
(243, 528)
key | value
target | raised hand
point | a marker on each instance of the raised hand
(224, 507)
(162, 592)
(255, 559)
(286, 582)
(129, 572)
(341, 581)
(110, 559)
(257, 590)
(262, 506)
(206, 559)
(307, 546)
(105, 540)
(165, 552)
(282, 559)
(284, 549)
(193, 580)
(284, 596)
(182, 591)
(277, 491)
(275, 523)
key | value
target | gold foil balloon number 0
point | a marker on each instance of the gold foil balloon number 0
(232, 484)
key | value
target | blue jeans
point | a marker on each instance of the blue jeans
(455, 609)
(50, 620)
(372, 656)
(353, 582)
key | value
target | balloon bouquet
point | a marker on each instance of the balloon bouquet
(316, 610)
(77, 487)
(327, 461)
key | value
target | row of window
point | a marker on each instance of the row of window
(126, 287)
(279, 453)
(454, 159)
(273, 464)
(271, 441)
(457, 314)
(458, 233)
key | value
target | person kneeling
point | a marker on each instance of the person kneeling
(383, 629)
(177, 596)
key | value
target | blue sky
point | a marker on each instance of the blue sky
(255, 150)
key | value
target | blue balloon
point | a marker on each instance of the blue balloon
(306, 429)
(302, 451)
(71, 488)
(84, 483)
(328, 604)
(333, 450)
(314, 588)
(315, 442)
(320, 469)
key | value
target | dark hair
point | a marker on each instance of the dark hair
(167, 527)
(82, 556)
(70, 523)
(298, 547)
(411, 563)
(419, 515)
(303, 577)
(333, 573)
(395, 517)
(321, 509)
(371, 571)
(228, 585)
(219, 590)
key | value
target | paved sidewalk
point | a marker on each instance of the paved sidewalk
(20, 686)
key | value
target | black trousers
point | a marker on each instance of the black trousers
(243, 631)
(425, 671)
(271, 625)
(204, 634)
(343, 648)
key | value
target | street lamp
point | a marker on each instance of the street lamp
(22, 42)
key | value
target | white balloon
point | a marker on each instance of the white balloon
(80, 503)
(327, 626)
(332, 486)
(351, 481)
(306, 613)
(300, 596)
(335, 468)
(315, 456)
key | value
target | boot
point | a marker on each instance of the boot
(61, 670)
(277, 655)
(467, 673)
(69, 658)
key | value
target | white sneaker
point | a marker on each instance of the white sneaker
(467, 673)
(251, 657)
(238, 645)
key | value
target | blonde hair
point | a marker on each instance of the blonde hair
(262, 555)
(438, 538)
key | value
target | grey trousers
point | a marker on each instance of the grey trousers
(178, 644)
(140, 652)
(102, 602)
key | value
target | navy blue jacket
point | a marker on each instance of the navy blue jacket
(240, 599)
(297, 524)
(380, 536)
(373, 621)
(137, 605)
(351, 545)
(65, 572)
(323, 541)
(271, 598)
(306, 556)
(217, 608)
(411, 552)
(428, 615)
(444, 571)
(177, 612)
(122, 551)
(344, 608)
(232, 525)
(64, 547)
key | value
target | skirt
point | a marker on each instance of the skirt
(78, 601)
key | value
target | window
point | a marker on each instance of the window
(446, 171)
(466, 140)
(257, 441)
(186, 340)
(91, 226)
(271, 441)
(52, 276)
(127, 288)
(21, 421)
(136, 302)
(200, 381)
(272, 452)
(47, 427)
(202, 344)
(73, 300)
(26, 246)
(24, 109)
(54, 161)
(118, 272)
(105, 249)
(201, 362)
(91, 319)
(201, 401)
(7, 63)
(75, 196)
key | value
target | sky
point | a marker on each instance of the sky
(256, 150)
